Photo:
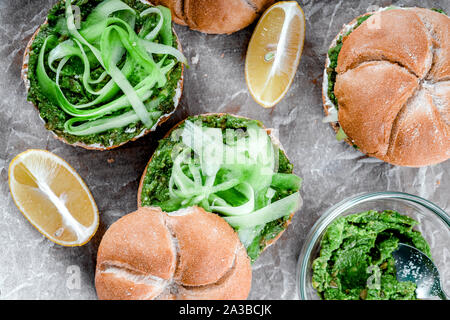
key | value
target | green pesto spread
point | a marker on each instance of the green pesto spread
(439, 10)
(356, 261)
(156, 181)
(71, 84)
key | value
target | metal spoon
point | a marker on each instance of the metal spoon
(414, 265)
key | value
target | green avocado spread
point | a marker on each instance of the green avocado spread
(356, 262)
(70, 81)
(155, 190)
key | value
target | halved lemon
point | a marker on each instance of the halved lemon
(53, 197)
(274, 52)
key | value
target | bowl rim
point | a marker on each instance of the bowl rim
(334, 211)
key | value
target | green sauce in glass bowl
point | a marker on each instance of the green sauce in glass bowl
(347, 253)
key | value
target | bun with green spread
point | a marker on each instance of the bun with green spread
(386, 87)
(104, 72)
(228, 165)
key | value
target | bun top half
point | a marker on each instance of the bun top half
(393, 86)
(218, 16)
(187, 254)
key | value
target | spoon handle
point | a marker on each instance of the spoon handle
(442, 295)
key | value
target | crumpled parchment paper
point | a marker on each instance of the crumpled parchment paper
(31, 267)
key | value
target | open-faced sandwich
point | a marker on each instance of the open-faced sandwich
(104, 72)
(386, 87)
(228, 165)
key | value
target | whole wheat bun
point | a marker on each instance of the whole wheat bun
(393, 87)
(275, 141)
(218, 16)
(188, 254)
(164, 118)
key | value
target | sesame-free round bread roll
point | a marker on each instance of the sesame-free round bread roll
(187, 254)
(215, 16)
(393, 86)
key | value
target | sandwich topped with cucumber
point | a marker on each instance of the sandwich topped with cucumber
(104, 72)
(228, 165)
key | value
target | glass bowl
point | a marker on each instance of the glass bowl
(434, 224)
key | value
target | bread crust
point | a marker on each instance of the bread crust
(231, 285)
(419, 126)
(438, 26)
(188, 254)
(276, 142)
(383, 37)
(176, 7)
(111, 287)
(203, 245)
(356, 87)
(129, 249)
(358, 94)
(216, 17)
(164, 118)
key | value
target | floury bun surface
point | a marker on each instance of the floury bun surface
(187, 254)
(393, 87)
(218, 16)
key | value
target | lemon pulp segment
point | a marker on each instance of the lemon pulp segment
(53, 197)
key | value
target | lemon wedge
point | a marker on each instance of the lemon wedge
(53, 197)
(274, 52)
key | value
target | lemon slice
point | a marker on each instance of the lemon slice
(274, 52)
(53, 197)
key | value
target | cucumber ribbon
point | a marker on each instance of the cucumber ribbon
(234, 175)
(107, 38)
